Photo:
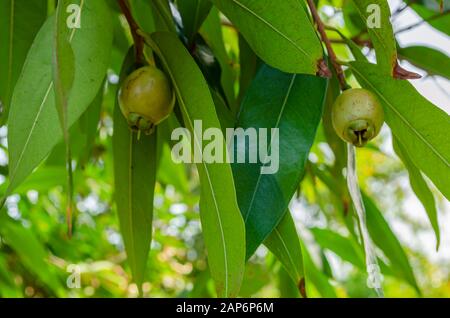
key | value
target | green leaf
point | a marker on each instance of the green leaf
(386, 241)
(33, 126)
(382, 36)
(420, 188)
(134, 179)
(20, 20)
(222, 224)
(342, 246)
(313, 276)
(63, 63)
(284, 243)
(142, 13)
(430, 60)
(88, 127)
(293, 104)
(212, 33)
(63, 76)
(441, 23)
(162, 16)
(280, 32)
(249, 65)
(418, 125)
(44, 179)
(31, 252)
(193, 14)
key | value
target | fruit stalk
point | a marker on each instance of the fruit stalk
(134, 27)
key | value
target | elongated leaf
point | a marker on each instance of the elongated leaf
(420, 188)
(284, 243)
(432, 61)
(222, 224)
(293, 104)
(63, 76)
(134, 179)
(142, 13)
(88, 125)
(31, 252)
(33, 127)
(381, 34)
(418, 125)
(193, 14)
(63, 63)
(280, 32)
(315, 277)
(212, 33)
(20, 20)
(249, 65)
(342, 246)
(386, 241)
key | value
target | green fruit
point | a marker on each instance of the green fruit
(146, 98)
(357, 116)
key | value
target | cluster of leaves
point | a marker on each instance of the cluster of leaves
(255, 68)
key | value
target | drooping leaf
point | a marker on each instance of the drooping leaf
(284, 243)
(222, 224)
(20, 20)
(212, 33)
(386, 241)
(249, 65)
(88, 126)
(420, 188)
(377, 18)
(142, 13)
(63, 63)
(193, 14)
(34, 128)
(280, 32)
(134, 179)
(292, 104)
(418, 125)
(342, 246)
(314, 277)
(432, 61)
(162, 16)
(63, 76)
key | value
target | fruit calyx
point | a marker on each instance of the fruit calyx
(357, 116)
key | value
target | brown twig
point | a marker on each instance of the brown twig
(415, 25)
(134, 27)
(332, 55)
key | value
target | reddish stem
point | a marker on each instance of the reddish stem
(332, 55)
(134, 27)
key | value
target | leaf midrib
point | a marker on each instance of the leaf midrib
(130, 205)
(41, 107)
(222, 236)
(290, 257)
(277, 124)
(408, 124)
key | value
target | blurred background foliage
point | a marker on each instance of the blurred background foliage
(37, 259)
